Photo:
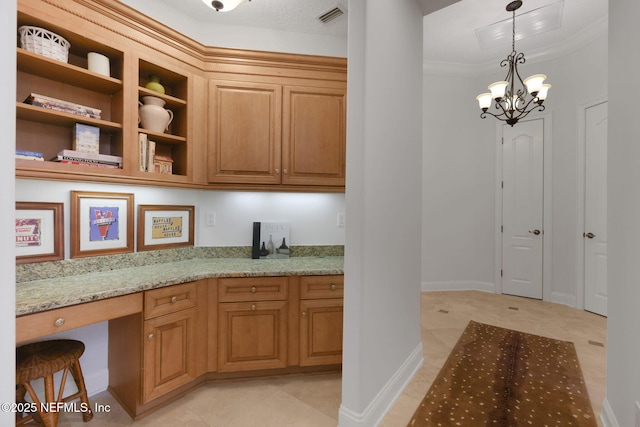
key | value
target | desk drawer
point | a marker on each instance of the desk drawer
(241, 289)
(319, 287)
(38, 325)
(169, 299)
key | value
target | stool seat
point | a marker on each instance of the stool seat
(41, 360)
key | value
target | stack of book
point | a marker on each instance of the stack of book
(63, 106)
(88, 159)
(29, 155)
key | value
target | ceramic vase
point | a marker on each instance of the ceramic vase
(152, 114)
(154, 84)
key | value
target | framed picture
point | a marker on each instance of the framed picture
(39, 232)
(101, 223)
(165, 226)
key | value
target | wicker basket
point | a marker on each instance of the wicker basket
(44, 42)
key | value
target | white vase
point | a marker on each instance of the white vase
(152, 114)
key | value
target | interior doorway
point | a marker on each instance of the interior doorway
(593, 205)
(523, 227)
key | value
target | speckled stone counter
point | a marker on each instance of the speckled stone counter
(55, 292)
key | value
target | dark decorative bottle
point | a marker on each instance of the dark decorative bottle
(263, 250)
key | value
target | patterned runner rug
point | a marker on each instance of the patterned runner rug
(505, 378)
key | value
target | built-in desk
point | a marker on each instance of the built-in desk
(176, 324)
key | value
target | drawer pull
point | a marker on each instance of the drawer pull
(254, 289)
(253, 307)
(59, 322)
(333, 287)
(174, 299)
(304, 314)
(150, 337)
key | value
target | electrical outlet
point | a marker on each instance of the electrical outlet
(210, 218)
(340, 219)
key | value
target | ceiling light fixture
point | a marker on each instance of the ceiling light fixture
(511, 101)
(223, 6)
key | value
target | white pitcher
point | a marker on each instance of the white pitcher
(152, 115)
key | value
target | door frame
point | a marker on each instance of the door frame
(547, 198)
(581, 176)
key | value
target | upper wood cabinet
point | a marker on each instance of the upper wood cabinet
(314, 135)
(244, 132)
(240, 119)
(263, 133)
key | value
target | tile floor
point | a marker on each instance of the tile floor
(314, 400)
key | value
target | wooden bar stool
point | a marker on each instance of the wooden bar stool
(41, 360)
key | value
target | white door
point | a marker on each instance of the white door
(595, 210)
(522, 208)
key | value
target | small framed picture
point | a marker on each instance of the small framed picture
(39, 232)
(101, 223)
(165, 226)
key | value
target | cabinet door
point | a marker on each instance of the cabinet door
(321, 332)
(252, 335)
(314, 135)
(169, 355)
(245, 132)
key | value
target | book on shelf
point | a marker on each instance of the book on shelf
(86, 138)
(147, 150)
(100, 165)
(63, 106)
(29, 155)
(78, 156)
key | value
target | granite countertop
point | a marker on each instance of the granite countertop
(46, 294)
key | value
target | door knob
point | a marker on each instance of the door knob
(589, 235)
(536, 232)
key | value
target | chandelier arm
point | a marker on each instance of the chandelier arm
(539, 108)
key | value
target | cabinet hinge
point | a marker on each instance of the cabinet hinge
(502, 228)
(501, 184)
(501, 273)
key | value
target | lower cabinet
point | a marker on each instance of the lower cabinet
(252, 336)
(252, 323)
(222, 328)
(321, 332)
(321, 317)
(169, 357)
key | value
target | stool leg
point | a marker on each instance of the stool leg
(49, 418)
(76, 371)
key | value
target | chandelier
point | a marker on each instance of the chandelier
(511, 100)
(223, 6)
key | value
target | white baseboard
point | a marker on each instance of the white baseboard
(459, 285)
(96, 382)
(384, 400)
(565, 299)
(607, 417)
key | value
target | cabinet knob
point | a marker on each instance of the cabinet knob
(277, 171)
(253, 307)
(59, 322)
(254, 289)
(304, 314)
(150, 337)
(285, 171)
(174, 299)
(333, 287)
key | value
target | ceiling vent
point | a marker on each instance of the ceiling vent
(330, 15)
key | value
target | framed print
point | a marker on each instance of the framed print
(39, 232)
(165, 226)
(101, 223)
